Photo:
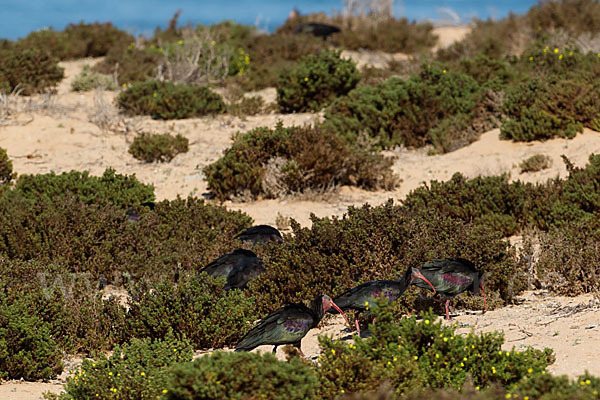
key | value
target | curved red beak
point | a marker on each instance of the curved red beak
(340, 311)
(416, 274)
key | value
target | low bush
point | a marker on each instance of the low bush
(247, 106)
(535, 163)
(29, 71)
(540, 110)
(315, 82)
(270, 55)
(6, 168)
(197, 307)
(165, 100)
(77, 40)
(27, 347)
(389, 35)
(121, 191)
(88, 80)
(286, 160)
(405, 111)
(412, 354)
(156, 147)
(139, 369)
(240, 376)
(131, 64)
(570, 258)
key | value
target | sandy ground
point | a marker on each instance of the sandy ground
(60, 137)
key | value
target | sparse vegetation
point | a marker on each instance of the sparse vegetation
(535, 163)
(158, 147)
(275, 162)
(165, 100)
(28, 70)
(89, 80)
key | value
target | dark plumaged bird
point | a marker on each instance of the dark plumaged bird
(243, 272)
(222, 266)
(316, 29)
(360, 297)
(260, 234)
(450, 277)
(288, 325)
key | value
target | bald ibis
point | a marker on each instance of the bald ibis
(316, 29)
(260, 234)
(450, 277)
(222, 266)
(288, 325)
(243, 272)
(360, 297)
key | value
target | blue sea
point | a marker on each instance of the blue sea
(141, 17)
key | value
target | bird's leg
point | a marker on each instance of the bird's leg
(297, 345)
(484, 300)
(447, 312)
(275, 349)
(357, 326)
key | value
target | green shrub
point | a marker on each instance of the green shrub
(165, 100)
(270, 55)
(196, 307)
(413, 354)
(241, 376)
(101, 240)
(403, 112)
(284, 160)
(575, 17)
(137, 370)
(155, 147)
(79, 320)
(6, 168)
(122, 191)
(29, 70)
(77, 40)
(88, 80)
(390, 35)
(535, 163)
(27, 347)
(315, 82)
(131, 64)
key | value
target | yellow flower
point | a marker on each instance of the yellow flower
(444, 71)
(342, 391)
(508, 396)
(588, 382)
(530, 58)
(507, 354)
(213, 43)
(556, 51)
(110, 374)
(124, 85)
(462, 364)
(180, 42)
(445, 339)
(472, 346)
(306, 80)
(174, 350)
(143, 374)
(396, 359)
(366, 302)
(426, 322)
(389, 363)
(546, 49)
(93, 365)
(526, 398)
(416, 358)
(114, 390)
(477, 388)
(499, 353)
(570, 53)
(493, 370)
(165, 390)
(560, 57)
(437, 356)
(333, 352)
(530, 370)
(581, 382)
